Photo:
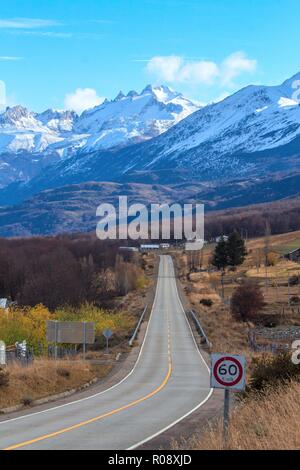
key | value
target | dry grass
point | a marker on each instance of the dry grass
(260, 423)
(226, 334)
(276, 241)
(221, 328)
(267, 421)
(44, 378)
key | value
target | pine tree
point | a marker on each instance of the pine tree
(236, 250)
(220, 257)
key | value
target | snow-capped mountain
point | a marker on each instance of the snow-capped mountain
(29, 141)
(133, 118)
(253, 133)
(224, 139)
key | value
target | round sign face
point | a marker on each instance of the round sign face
(107, 333)
(228, 371)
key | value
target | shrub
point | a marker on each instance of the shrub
(247, 300)
(62, 372)
(118, 322)
(295, 300)
(272, 259)
(26, 401)
(4, 377)
(206, 302)
(294, 280)
(270, 371)
(25, 324)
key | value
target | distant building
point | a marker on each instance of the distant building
(4, 303)
(165, 246)
(149, 247)
(128, 248)
(293, 255)
(221, 237)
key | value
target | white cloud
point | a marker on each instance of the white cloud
(199, 72)
(47, 34)
(165, 67)
(10, 58)
(236, 64)
(81, 99)
(177, 69)
(26, 23)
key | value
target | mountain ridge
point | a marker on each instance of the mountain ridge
(55, 135)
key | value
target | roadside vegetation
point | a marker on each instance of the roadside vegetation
(268, 422)
(66, 270)
(66, 278)
(228, 310)
(250, 307)
(29, 323)
(266, 416)
(283, 217)
(43, 378)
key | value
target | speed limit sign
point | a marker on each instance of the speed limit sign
(228, 371)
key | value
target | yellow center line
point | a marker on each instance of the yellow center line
(105, 415)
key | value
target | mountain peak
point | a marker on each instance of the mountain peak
(161, 93)
(119, 96)
(132, 94)
(15, 114)
(147, 89)
(291, 82)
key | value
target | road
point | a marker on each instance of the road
(169, 381)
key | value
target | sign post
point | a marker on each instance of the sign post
(229, 373)
(107, 334)
(2, 353)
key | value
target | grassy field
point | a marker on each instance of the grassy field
(268, 421)
(280, 298)
(44, 378)
(262, 423)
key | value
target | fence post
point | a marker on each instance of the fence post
(84, 339)
(56, 337)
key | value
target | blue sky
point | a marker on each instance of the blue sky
(62, 53)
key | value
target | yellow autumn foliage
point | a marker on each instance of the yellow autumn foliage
(119, 322)
(18, 324)
(29, 323)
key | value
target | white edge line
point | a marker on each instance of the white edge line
(196, 407)
(99, 393)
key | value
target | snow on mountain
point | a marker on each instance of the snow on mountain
(133, 118)
(214, 139)
(62, 121)
(53, 135)
(125, 119)
(253, 133)
(23, 131)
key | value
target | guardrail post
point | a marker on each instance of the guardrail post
(137, 327)
(200, 329)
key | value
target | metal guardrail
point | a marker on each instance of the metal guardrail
(137, 327)
(200, 329)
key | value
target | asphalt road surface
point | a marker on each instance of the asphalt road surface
(170, 380)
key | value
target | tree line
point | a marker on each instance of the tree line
(282, 216)
(64, 270)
